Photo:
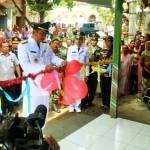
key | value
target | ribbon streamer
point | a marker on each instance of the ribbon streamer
(32, 76)
(9, 98)
(28, 95)
(59, 69)
(98, 70)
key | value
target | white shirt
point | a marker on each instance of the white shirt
(34, 59)
(7, 66)
(81, 55)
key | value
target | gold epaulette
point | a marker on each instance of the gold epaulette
(24, 42)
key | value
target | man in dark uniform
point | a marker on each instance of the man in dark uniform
(94, 51)
(105, 83)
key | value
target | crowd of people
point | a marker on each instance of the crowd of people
(132, 65)
(63, 45)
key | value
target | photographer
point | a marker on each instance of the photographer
(19, 133)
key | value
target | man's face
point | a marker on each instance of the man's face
(79, 41)
(69, 42)
(5, 47)
(40, 35)
(107, 44)
(93, 42)
(55, 46)
(14, 45)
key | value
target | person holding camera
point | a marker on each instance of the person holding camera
(25, 133)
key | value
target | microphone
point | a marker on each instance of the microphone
(38, 117)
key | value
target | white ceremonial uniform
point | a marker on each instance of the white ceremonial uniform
(82, 56)
(33, 59)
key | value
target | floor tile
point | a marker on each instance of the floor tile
(106, 133)
(96, 128)
(105, 144)
(145, 130)
(131, 147)
(117, 134)
(67, 145)
(141, 141)
(105, 120)
(82, 138)
(127, 125)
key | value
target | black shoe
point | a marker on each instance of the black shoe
(104, 107)
(90, 105)
(84, 106)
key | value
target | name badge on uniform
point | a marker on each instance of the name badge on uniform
(32, 51)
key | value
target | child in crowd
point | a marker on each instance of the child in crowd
(8, 65)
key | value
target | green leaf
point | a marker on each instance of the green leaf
(42, 6)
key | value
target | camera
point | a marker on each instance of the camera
(20, 133)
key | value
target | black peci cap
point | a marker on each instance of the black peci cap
(108, 38)
(80, 35)
(42, 26)
(15, 40)
(93, 36)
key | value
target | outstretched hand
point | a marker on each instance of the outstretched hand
(48, 67)
(64, 63)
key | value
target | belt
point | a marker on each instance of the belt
(105, 74)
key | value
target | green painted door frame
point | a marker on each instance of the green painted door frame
(116, 53)
(116, 59)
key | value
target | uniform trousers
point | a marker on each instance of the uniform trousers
(105, 85)
(6, 105)
(92, 85)
(75, 105)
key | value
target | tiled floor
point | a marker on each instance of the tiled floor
(105, 133)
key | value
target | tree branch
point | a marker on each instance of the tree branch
(21, 12)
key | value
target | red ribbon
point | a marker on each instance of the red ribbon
(30, 75)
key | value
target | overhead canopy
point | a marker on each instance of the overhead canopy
(104, 3)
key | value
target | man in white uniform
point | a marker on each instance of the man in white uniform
(78, 52)
(35, 55)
